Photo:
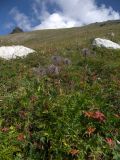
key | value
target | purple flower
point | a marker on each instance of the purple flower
(57, 60)
(40, 71)
(53, 70)
(85, 52)
(67, 61)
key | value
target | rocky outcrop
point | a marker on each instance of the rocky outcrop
(16, 30)
(12, 52)
(105, 43)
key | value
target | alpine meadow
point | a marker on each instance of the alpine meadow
(61, 102)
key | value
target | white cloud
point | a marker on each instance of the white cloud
(71, 13)
(21, 19)
(56, 20)
(76, 13)
(40, 10)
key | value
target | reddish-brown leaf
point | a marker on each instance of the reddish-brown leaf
(74, 152)
(21, 137)
(90, 130)
(5, 129)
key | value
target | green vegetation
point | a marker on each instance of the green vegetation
(71, 116)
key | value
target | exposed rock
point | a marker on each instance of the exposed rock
(12, 52)
(105, 43)
(16, 30)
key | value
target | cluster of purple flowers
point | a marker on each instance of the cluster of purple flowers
(58, 60)
(54, 68)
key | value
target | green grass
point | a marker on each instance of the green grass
(72, 116)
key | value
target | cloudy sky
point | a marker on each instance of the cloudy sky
(49, 14)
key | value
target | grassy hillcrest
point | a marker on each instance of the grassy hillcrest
(73, 115)
(64, 37)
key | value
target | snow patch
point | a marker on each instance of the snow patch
(12, 52)
(105, 43)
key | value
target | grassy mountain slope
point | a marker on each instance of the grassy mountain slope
(58, 37)
(74, 115)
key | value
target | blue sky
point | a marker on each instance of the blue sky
(114, 3)
(44, 14)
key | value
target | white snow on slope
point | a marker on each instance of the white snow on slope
(12, 52)
(105, 43)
